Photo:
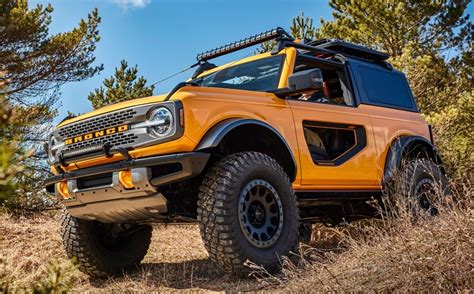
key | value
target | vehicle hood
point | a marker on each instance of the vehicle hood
(113, 107)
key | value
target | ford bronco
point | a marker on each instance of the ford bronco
(254, 151)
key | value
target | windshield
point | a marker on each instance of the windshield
(258, 75)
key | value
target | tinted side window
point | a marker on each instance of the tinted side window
(385, 88)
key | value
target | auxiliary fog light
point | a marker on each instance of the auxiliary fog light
(126, 179)
(63, 190)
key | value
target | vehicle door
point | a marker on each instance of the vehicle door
(334, 133)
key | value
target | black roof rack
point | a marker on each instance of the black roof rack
(324, 46)
(350, 49)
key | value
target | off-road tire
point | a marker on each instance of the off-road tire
(92, 257)
(412, 176)
(218, 218)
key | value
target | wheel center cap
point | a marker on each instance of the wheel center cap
(257, 214)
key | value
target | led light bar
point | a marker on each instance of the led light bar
(244, 43)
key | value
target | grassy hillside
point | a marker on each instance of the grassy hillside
(429, 254)
(176, 260)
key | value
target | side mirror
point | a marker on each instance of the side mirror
(306, 80)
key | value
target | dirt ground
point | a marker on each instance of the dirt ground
(431, 254)
(175, 261)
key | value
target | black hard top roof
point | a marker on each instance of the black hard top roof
(350, 49)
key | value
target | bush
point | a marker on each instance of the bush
(454, 137)
(53, 279)
(399, 253)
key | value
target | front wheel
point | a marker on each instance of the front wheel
(247, 211)
(102, 250)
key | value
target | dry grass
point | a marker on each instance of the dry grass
(405, 254)
(429, 255)
(437, 256)
(176, 260)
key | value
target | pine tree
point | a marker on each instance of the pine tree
(302, 28)
(37, 64)
(8, 147)
(123, 85)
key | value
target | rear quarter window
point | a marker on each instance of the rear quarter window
(385, 88)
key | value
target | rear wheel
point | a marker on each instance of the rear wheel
(101, 249)
(423, 187)
(247, 211)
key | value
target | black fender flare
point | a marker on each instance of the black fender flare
(402, 147)
(214, 135)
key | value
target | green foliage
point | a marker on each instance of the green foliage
(266, 47)
(7, 153)
(454, 136)
(54, 279)
(436, 82)
(122, 86)
(8, 147)
(390, 25)
(38, 63)
(302, 28)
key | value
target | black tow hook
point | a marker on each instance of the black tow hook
(109, 151)
(123, 151)
(62, 161)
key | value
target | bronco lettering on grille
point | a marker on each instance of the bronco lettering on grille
(96, 134)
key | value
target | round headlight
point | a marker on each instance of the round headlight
(161, 120)
(52, 151)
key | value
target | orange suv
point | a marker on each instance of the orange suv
(254, 151)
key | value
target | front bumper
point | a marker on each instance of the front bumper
(96, 193)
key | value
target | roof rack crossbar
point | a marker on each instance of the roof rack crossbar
(311, 48)
(277, 33)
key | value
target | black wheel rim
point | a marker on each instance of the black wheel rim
(425, 195)
(260, 213)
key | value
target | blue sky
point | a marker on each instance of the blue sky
(164, 36)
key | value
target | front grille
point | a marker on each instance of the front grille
(96, 123)
(100, 123)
